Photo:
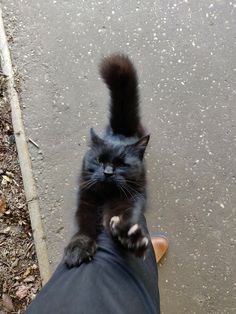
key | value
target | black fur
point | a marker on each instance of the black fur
(113, 181)
(120, 76)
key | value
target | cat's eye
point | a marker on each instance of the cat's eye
(119, 162)
(103, 158)
(100, 160)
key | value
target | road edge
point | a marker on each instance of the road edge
(24, 159)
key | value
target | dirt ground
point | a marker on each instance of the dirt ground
(19, 273)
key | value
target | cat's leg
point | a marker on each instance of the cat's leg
(123, 225)
(82, 246)
(130, 236)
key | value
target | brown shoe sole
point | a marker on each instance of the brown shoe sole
(160, 246)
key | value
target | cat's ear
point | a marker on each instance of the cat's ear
(141, 145)
(95, 139)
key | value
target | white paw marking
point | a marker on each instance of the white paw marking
(114, 221)
(129, 245)
(133, 229)
(145, 241)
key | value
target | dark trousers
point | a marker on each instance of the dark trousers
(114, 282)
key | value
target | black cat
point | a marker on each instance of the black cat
(112, 189)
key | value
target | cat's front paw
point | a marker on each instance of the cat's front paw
(80, 249)
(130, 236)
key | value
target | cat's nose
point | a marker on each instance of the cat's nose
(108, 171)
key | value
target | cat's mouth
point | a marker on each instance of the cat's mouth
(109, 180)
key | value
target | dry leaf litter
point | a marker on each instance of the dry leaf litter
(19, 273)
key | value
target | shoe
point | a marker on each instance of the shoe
(160, 245)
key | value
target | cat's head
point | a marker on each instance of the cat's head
(115, 164)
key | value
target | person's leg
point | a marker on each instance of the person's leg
(114, 282)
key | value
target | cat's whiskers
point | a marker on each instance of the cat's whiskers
(88, 184)
(128, 190)
(121, 188)
(136, 183)
(87, 172)
(135, 192)
(125, 189)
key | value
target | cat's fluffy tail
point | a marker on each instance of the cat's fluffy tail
(120, 76)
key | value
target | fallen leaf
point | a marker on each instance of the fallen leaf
(7, 302)
(10, 174)
(15, 263)
(3, 205)
(7, 229)
(29, 279)
(34, 266)
(27, 272)
(5, 286)
(6, 180)
(21, 292)
(34, 291)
